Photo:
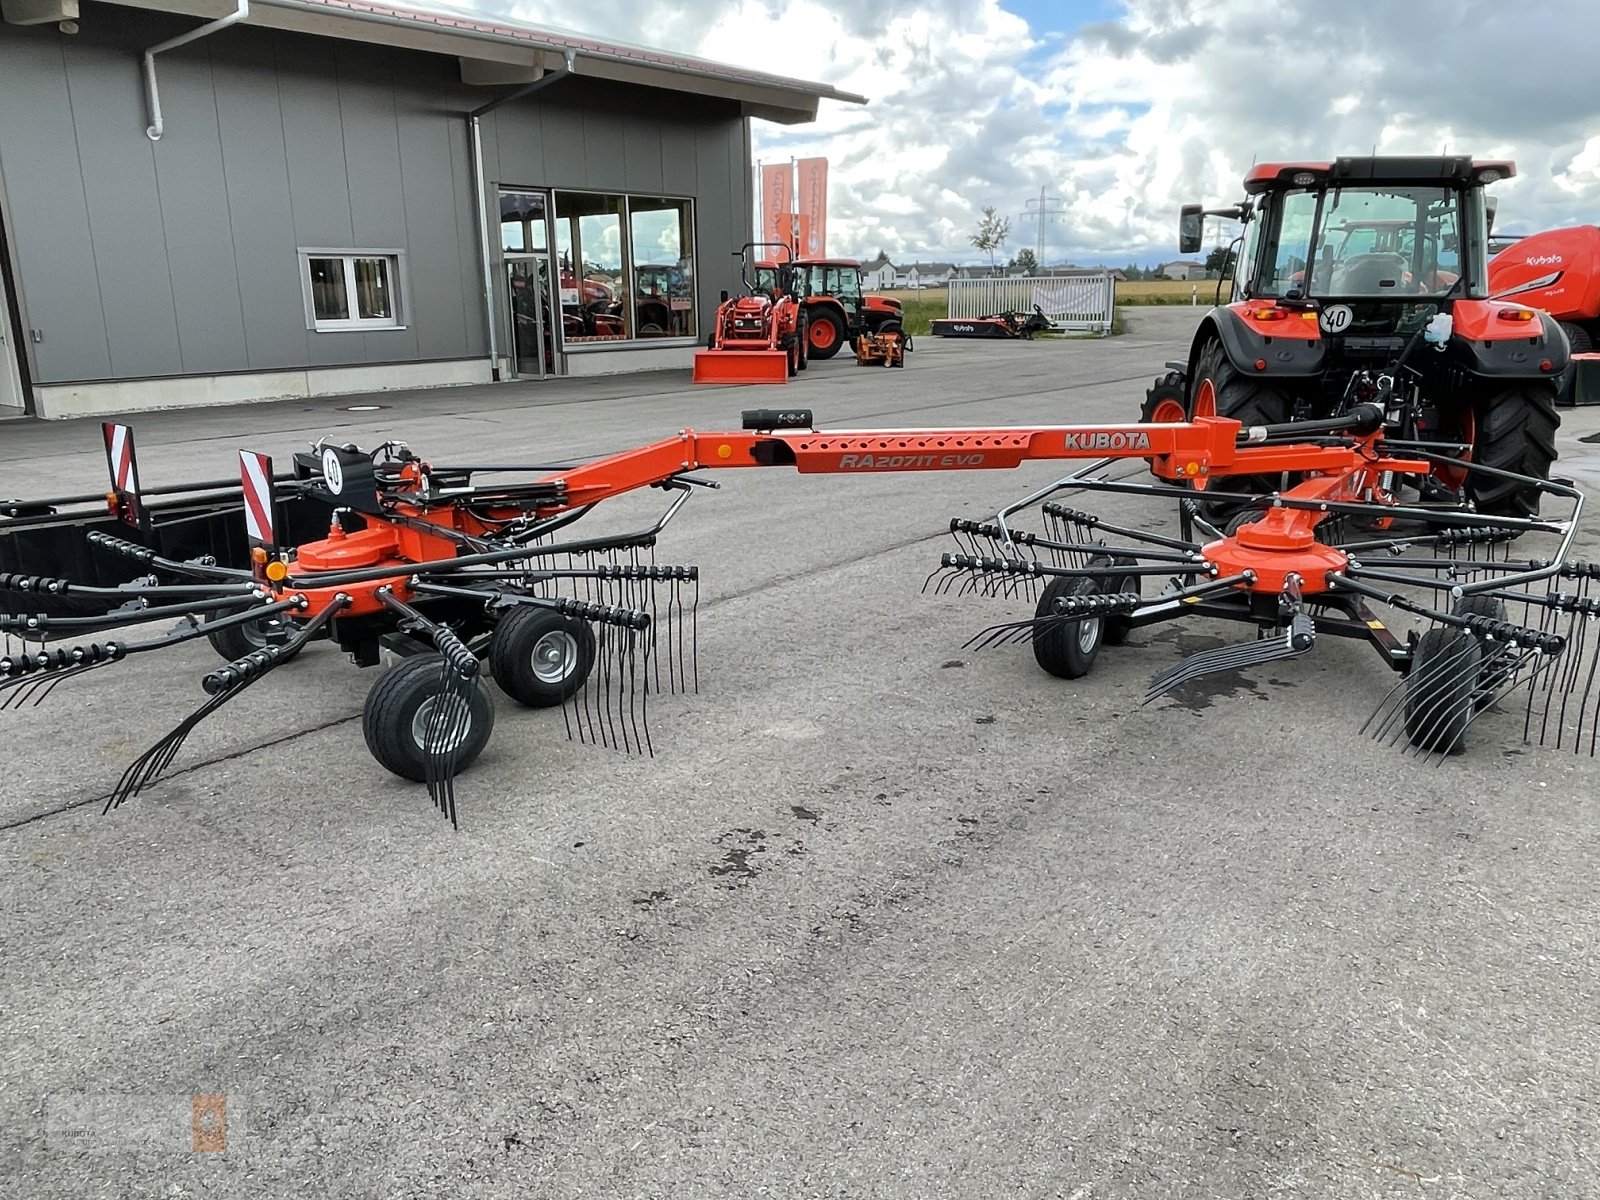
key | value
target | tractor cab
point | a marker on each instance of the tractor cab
(1388, 242)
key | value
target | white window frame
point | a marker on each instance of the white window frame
(398, 288)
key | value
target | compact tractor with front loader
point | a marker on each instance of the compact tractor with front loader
(1366, 280)
(758, 337)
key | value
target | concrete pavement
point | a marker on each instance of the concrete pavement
(882, 917)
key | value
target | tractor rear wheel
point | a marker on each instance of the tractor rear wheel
(540, 657)
(1514, 430)
(825, 332)
(398, 712)
(802, 332)
(1216, 388)
(1067, 649)
(1578, 339)
(1441, 688)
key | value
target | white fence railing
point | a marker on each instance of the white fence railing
(1072, 302)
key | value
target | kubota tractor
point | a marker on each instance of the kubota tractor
(758, 337)
(1366, 280)
(838, 312)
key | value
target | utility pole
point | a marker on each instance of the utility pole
(1040, 211)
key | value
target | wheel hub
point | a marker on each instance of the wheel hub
(555, 656)
(451, 737)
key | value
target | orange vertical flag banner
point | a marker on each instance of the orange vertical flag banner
(813, 207)
(777, 205)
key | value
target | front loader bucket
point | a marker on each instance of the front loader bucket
(741, 366)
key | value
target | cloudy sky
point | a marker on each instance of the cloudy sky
(1126, 108)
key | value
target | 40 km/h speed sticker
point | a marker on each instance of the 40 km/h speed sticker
(1335, 318)
(332, 470)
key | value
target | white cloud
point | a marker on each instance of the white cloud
(1129, 118)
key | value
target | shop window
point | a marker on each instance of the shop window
(626, 267)
(351, 290)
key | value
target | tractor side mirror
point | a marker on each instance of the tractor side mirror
(1191, 227)
(1490, 203)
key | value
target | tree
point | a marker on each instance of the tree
(1026, 262)
(1220, 260)
(993, 230)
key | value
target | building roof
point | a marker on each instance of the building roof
(504, 52)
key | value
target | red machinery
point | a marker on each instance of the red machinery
(1397, 289)
(452, 574)
(758, 337)
(1558, 271)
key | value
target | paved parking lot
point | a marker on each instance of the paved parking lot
(882, 917)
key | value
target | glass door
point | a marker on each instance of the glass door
(531, 302)
(11, 399)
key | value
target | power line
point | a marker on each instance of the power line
(1045, 208)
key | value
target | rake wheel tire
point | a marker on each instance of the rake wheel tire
(390, 720)
(1495, 671)
(1068, 649)
(540, 657)
(233, 642)
(1441, 689)
(1115, 629)
(1516, 431)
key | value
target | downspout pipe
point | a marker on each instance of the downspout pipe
(480, 187)
(151, 93)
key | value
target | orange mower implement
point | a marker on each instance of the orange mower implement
(757, 337)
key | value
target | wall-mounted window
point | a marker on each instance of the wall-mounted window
(352, 289)
(626, 267)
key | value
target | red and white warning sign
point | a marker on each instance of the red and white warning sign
(124, 468)
(255, 473)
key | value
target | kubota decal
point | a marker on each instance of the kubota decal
(1108, 441)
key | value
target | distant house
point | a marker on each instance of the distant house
(924, 275)
(1183, 269)
(878, 274)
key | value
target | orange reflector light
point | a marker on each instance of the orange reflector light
(724, 451)
(258, 555)
(1515, 314)
(277, 570)
(111, 503)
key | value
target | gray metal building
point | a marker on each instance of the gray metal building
(323, 196)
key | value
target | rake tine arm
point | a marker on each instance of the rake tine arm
(149, 558)
(1091, 521)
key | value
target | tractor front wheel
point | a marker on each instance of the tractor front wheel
(1166, 401)
(399, 711)
(1218, 389)
(1067, 649)
(1514, 429)
(826, 334)
(540, 657)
